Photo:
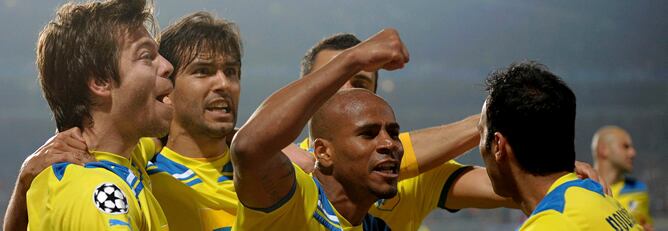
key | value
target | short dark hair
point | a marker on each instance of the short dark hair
(535, 110)
(83, 42)
(337, 42)
(181, 42)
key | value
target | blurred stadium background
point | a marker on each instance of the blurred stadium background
(610, 52)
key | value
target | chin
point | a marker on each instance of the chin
(386, 194)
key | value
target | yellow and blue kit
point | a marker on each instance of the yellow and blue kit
(576, 204)
(632, 194)
(113, 193)
(306, 207)
(417, 196)
(195, 193)
(417, 193)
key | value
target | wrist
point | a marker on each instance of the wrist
(351, 60)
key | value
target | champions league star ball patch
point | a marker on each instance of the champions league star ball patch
(110, 199)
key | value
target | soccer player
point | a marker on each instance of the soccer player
(527, 130)
(100, 71)
(429, 178)
(192, 174)
(358, 154)
(613, 154)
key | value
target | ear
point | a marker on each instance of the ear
(503, 149)
(322, 149)
(602, 150)
(99, 87)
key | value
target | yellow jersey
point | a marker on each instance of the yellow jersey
(417, 194)
(306, 207)
(632, 194)
(195, 193)
(113, 193)
(575, 204)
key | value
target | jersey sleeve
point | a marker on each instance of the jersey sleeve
(409, 165)
(641, 210)
(418, 196)
(548, 221)
(293, 211)
(80, 200)
(145, 151)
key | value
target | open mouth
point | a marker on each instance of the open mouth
(218, 106)
(387, 168)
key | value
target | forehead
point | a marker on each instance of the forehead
(133, 39)
(366, 111)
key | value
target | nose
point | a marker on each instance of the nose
(165, 69)
(221, 80)
(387, 145)
(632, 152)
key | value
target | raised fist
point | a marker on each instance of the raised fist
(384, 50)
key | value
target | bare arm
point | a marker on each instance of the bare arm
(474, 189)
(437, 145)
(262, 173)
(67, 146)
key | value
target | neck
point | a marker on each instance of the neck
(105, 137)
(533, 189)
(353, 205)
(610, 174)
(194, 145)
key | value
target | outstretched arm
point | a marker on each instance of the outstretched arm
(436, 145)
(474, 189)
(263, 175)
(66, 146)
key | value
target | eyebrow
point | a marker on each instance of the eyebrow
(363, 77)
(146, 43)
(366, 126)
(205, 61)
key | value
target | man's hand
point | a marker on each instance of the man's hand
(66, 146)
(383, 50)
(584, 170)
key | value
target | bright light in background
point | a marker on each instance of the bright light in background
(387, 85)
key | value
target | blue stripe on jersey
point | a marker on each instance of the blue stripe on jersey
(328, 217)
(175, 169)
(194, 182)
(122, 172)
(223, 229)
(59, 169)
(224, 178)
(555, 200)
(113, 222)
(632, 185)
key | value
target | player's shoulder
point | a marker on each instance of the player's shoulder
(632, 185)
(71, 182)
(73, 174)
(548, 220)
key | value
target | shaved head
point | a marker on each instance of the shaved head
(340, 106)
(356, 142)
(613, 145)
(606, 136)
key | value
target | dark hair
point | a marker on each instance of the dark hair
(82, 42)
(181, 42)
(336, 42)
(535, 110)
